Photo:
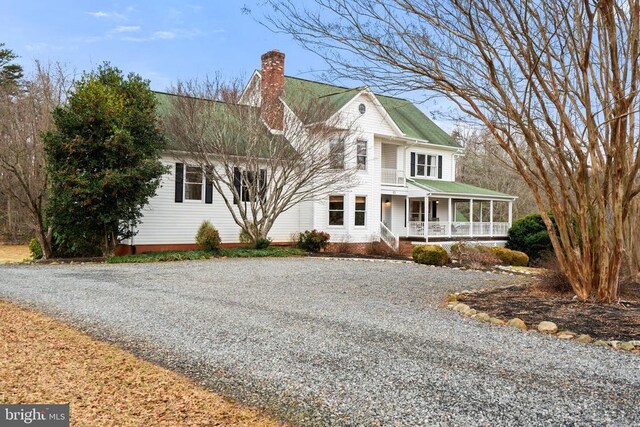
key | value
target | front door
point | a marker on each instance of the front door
(385, 211)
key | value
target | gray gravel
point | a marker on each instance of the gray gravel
(338, 342)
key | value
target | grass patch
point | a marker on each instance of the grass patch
(275, 251)
(43, 360)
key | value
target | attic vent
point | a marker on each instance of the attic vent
(362, 108)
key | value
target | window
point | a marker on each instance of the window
(336, 210)
(336, 154)
(193, 183)
(361, 210)
(361, 147)
(420, 164)
(432, 166)
(246, 182)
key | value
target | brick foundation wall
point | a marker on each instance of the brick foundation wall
(128, 249)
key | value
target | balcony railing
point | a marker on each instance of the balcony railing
(458, 229)
(393, 177)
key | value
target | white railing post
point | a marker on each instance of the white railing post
(450, 226)
(491, 218)
(510, 213)
(426, 219)
(470, 217)
(406, 214)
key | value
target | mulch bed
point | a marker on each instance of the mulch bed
(601, 321)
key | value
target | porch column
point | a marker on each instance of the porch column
(426, 219)
(470, 217)
(450, 226)
(406, 214)
(491, 217)
(510, 212)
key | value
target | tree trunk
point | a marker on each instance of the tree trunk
(45, 239)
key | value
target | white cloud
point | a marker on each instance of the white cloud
(163, 35)
(126, 29)
(106, 15)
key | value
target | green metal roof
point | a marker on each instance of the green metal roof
(409, 119)
(236, 142)
(450, 187)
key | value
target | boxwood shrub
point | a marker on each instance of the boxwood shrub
(430, 255)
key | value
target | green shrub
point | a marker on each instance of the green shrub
(208, 238)
(313, 240)
(35, 249)
(511, 257)
(262, 243)
(430, 255)
(529, 235)
(244, 237)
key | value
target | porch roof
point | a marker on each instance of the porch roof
(456, 188)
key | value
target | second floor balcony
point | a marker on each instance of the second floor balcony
(393, 177)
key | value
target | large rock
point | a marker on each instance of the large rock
(626, 346)
(584, 338)
(496, 321)
(469, 313)
(517, 323)
(601, 343)
(461, 308)
(566, 335)
(483, 317)
(547, 327)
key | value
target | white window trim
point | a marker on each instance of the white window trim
(345, 218)
(366, 155)
(355, 211)
(433, 167)
(185, 183)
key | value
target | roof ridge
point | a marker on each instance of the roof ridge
(348, 88)
(217, 101)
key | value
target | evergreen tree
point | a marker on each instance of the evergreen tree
(104, 161)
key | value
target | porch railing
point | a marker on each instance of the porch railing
(393, 177)
(389, 238)
(465, 229)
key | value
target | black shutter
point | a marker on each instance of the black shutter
(263, 183)
(434, 209)
(405, 213)
(237, 183)
(179, 182)
(413, 164)
(439, 167)
(208, 189)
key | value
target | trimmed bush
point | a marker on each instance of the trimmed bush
(313, 240)
(511, 257)
(35, 249)
(430, 255)
(529, 235)
(262, 243)
(208, 237)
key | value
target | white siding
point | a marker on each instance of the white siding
(448, 166)
(168, 222)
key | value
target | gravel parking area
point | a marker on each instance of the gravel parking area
(337, 342)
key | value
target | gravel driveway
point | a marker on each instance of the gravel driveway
(338, 342)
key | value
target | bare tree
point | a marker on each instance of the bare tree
(486, 165)
(560, 76)
(259, 173)
(24, 116)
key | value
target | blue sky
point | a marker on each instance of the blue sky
(162, 40)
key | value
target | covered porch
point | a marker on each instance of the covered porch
(439, 210)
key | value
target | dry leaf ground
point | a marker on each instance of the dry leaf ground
(13, 253)
(44, 361)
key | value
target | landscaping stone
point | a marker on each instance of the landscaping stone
(469, 313)
(601, 343)
(517, 323)
(461, 308)
(565, 335)
(584, 338)
(626, 346)
(483, 317)
(547, 327)
(496, 321)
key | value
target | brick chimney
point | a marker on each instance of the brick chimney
(272, 89)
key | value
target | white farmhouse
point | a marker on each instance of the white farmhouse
(406, 190)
